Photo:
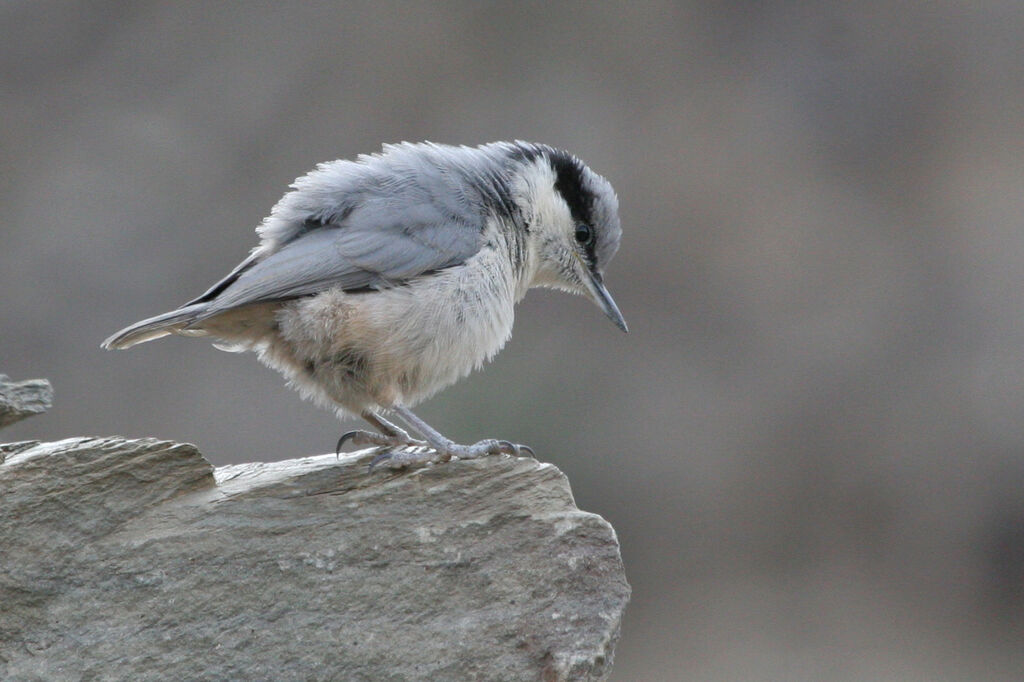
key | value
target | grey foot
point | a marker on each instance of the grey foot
(486, 447)
(421, 456)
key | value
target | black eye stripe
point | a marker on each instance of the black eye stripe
(569, 183)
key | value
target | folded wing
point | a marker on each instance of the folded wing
(378, 244)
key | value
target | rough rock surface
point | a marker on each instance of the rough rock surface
(136, 559)
(23, 399)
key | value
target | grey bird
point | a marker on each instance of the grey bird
(380, 281)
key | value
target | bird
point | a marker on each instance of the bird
(381, 280)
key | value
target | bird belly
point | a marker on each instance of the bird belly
(399, 345)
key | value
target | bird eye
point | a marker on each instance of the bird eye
(584, 234)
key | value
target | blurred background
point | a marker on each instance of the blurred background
(811, 442)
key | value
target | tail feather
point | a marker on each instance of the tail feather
(155, 327)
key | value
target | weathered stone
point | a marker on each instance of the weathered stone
(135, 559)
(23, 399)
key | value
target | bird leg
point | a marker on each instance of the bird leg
(389, 436)
(443, 449)
(386, 427)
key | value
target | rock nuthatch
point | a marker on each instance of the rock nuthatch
(380, 281)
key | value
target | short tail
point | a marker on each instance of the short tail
(174, 322)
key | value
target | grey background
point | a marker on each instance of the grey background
(810, 443)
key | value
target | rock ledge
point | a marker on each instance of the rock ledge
(136, 559)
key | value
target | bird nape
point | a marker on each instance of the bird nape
(380, 281)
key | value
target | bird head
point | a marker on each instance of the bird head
(572, 215)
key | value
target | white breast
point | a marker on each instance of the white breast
(447, 325)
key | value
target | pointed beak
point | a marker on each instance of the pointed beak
(599, 294)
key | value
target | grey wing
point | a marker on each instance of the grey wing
(376, 245)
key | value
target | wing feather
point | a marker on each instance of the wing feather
(381, 242)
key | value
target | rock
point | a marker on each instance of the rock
(136, 559)
(23, 399)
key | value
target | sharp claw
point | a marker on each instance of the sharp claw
(341, 441)
(515, 449)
